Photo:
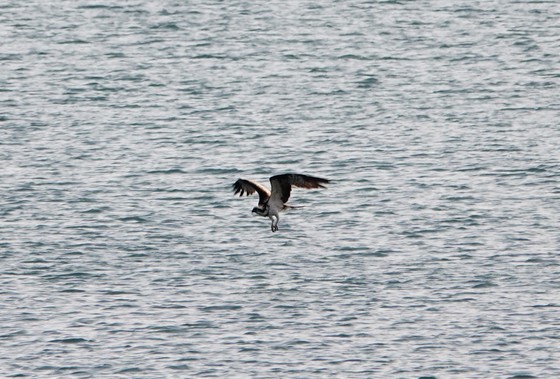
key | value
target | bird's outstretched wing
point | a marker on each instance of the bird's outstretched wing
(242, 186)
(282, 185)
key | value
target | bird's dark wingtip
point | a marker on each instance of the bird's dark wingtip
(320, 181)
(237, 188)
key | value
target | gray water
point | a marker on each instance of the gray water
(433, 253)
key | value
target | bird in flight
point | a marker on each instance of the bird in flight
(273, 202)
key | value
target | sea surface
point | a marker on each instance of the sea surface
(433, 253)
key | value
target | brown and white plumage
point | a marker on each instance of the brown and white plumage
(274, 201)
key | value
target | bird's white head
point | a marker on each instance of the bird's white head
(260, 211)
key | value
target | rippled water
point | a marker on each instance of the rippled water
(433, 253)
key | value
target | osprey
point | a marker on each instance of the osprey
(272, 202)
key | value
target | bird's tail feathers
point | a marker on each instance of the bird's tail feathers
(286, 206)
